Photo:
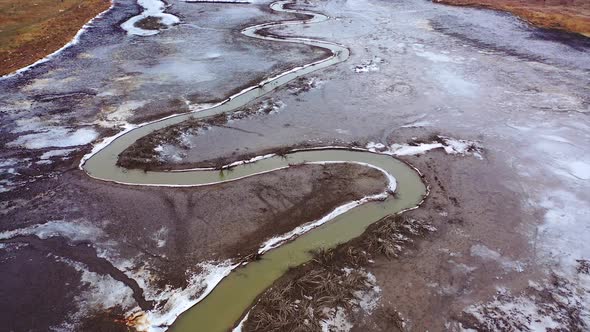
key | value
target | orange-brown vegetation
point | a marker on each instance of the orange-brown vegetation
(568, 15)
(30, 30)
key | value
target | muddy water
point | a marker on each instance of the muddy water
(224, 307)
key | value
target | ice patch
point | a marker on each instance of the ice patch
(413, 150)
(56, 137)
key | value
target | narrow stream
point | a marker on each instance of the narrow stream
(227, 303)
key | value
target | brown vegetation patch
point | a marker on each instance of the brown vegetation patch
(302, 298)
(151, 23)
(31, 30)
(567, 15)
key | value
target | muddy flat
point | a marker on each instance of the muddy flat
(331, 165)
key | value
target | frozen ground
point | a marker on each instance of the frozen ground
(514, 224)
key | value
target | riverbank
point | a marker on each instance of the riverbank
(571, 16)
(30, 32)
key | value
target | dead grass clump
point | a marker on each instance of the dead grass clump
(283, 151)
(392, 318)
(302, 302)
(392, 235)
(333, 278)
(284, 314)
(216, 120)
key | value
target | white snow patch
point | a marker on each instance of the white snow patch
(124, 111)
(56, 153)
(75, 231)
(337, 321)
(368, 65)
(105, 292)
(450, 145)
(160, 237)
(99, 294)
(56, 137)
(368, 300)
(151, 8)
(180, 300)
(417, 124)
(375, 146)
(241, 324)
(579, 169)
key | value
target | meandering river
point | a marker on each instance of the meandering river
(224, 307)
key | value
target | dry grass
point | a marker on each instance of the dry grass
(299, 301)
(390, 238)
(568, 15)
(31, 30)
(298, 304)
